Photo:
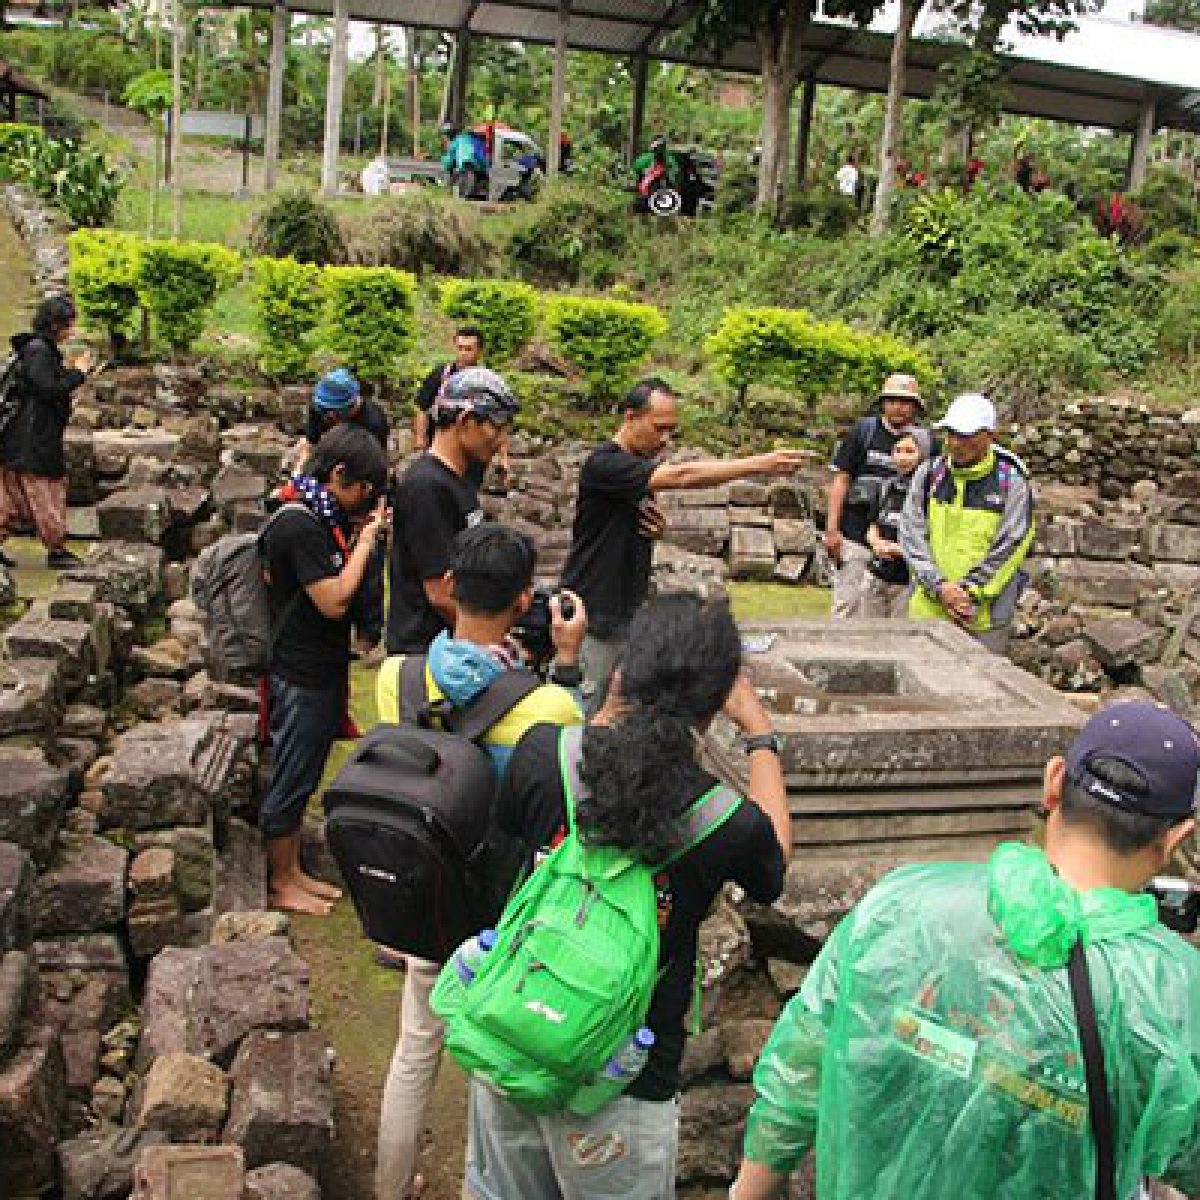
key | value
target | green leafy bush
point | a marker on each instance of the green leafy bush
(605, 339)
(1172, 248)
(422, 233)
(828, 214)
(369, 318)
(16, 141)
(79, 182)
(1180, 326)
(786, 347)
(936, 224)
(506, 312)
(288, 301)
(177, 283)
(104, 267)
(297, 225)
(565, 227)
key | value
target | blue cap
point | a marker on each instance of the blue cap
(1152, 741)
(336, 391)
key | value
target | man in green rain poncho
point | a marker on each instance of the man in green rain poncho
(933, 1052)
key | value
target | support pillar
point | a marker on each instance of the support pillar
(280, 25)
(557, 87)
(637, 114)
(1139, 150)
(334, 94)
(808, 100)
(454, 99)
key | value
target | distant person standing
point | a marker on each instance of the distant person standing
(617, 519)
(861, 464)
(846, 178)
(33, 467)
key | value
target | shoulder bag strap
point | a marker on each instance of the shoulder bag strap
(500, 697)
(1099, 1103)
(414, 696)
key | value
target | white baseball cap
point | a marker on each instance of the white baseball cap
(969, 413)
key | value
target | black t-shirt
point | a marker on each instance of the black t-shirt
(885, 516)
(864, 453)
(311, 650)
(369, 415)
(433, 505)
(609, 561)
(532, 809)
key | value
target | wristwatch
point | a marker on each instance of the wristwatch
(566, 675)
(761, 741)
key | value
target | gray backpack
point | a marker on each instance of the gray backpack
(230, 590)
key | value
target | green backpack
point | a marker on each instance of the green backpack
(575, 962)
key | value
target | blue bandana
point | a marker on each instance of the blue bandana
(318, 499)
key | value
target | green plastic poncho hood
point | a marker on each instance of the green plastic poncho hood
(933, 1050)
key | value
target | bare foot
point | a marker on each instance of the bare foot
(314, 886)
(293, 898)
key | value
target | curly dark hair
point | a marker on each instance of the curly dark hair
(678, 667)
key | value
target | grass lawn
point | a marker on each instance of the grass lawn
(773, 601)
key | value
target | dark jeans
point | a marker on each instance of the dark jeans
(366, 608)
(304, 722)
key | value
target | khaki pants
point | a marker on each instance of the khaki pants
(599, 657)
(848, 579)
(409, 1083)
(880, 599)
(36, 499)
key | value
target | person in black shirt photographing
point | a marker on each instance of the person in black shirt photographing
(314, 565)
(617, 519)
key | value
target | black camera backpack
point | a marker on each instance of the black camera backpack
(407, 818)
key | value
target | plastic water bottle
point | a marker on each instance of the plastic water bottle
(616, 1075)
(468, 958)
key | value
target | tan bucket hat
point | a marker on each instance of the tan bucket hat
(902, 387)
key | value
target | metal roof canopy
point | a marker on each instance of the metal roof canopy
(1106, 84)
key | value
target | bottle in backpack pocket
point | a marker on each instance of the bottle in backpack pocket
(617, 1074)
(468, 958)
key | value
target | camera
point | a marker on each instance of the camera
(1178, 902)
(533, 629)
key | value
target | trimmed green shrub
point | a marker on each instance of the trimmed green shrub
(786, 347)
(369, 318)
(506, 312)
(297, 225)
(177, 283)
(605, 339)
(288, 301)
(423, 233)
(104, 267)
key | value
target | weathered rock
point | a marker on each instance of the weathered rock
(786, 977)
(31, 697)
(792, 568)
(83, 889)
(184, 1096)
(156, 697)
(205, 1001)
(108, 1100)
(280, 1181)
(723, 944)
(85, 981)
(17, 983)
(99, 1166)
(135, 515)
(81, 1057)
(32, 1097)
(154, 911)
(80, 648)
(744, 1042)
(794, 536)
(33, 798)
(85, 721)
(703, 1053)
(16, 886)
(749, 493)
(192, 851)
(1123, 642)
(1084, 581)
(233, 484)
(1175, 543)
(281, 1107)
(240, 871)
(189, 1173)
(751, 553)
(202, 692)
(1108, 540)
(1168, 685)
(125, 573)
(250, 927)
(711, 1122)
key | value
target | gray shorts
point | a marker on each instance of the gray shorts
(626, 1151)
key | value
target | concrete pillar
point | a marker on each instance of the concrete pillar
(1139, 150)
(808, 99)
(637, 114)
(280, 24)
(557, 87)
(335, 91)
(454, 99)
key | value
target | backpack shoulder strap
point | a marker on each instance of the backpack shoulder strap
(934, 477)
(499, 698)
(1099, 1101)
(413, 694)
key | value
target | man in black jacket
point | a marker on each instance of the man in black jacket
(33, 469)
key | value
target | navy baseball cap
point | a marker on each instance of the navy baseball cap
(1151, 740)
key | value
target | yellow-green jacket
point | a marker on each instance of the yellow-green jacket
(969, 525)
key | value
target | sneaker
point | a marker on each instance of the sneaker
(7, 561)
(61, 560)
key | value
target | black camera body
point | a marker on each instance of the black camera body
(1178, 902)
(533, 629)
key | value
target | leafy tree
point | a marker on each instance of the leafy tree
(151, 94)
(1176, 14)
(893, 116)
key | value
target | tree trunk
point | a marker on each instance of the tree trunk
(892, 123)
(385, 115)
(780, 41)
(176, 115)
(380, 69)
(334, 94)
(414, 86)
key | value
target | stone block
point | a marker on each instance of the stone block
(31, 696)
(116, 448)
(81, 1059)
(1087, 581)
(83, 523)
(280, 1181)
(125, 573)
(154, 912)
(184, 1096)
(233, 484)
(1108, 540)
(16, 885)
(167, 658)
(281, 1106)
(792, 568)
(32, 1107)
(99, 1166)
(786, 499)
(80, 648)
(711, 1122)
(749, 493)
(33, 798)
(135, 515)
(240, 871)
(85, 981)
(700, 530)
(156, 697)
(794, 536)
(205, 1001)
(743, 1043)
(83, 888)
(189, 1173)
(1123, 642)
(1057, 537)
(1175, 543)
(192, 854)
(751, 553)
(250, 926)
(85, 721)
(17, 988)
(1168, 685)
(202, 692)
(1180, 510)
(187, 505)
